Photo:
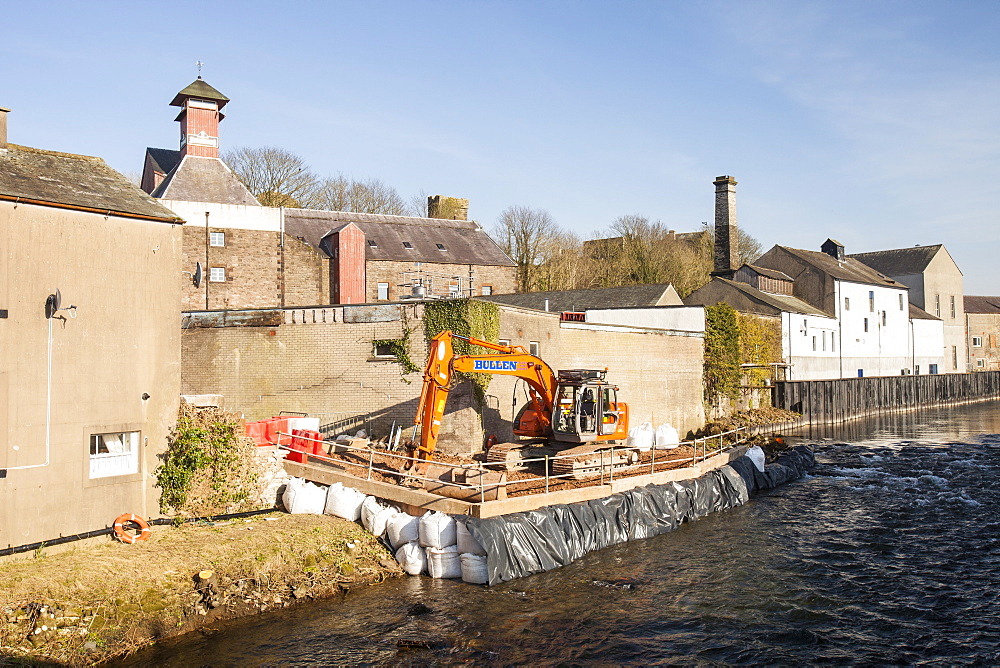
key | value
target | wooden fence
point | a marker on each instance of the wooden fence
(826, 401)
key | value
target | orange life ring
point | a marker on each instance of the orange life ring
(491, 441)
(124, 536)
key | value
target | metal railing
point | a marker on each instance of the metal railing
(702, 449)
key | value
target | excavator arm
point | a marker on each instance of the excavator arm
(442, 363)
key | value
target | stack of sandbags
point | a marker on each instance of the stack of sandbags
(667, 437)
(374, 515)
(438, 534)
(344, 502)
(403, 532)
(472, 556)
(303, 498)
(641, 438)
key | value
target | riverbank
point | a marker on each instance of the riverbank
(98, 602)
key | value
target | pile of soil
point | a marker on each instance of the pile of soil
(100, 601)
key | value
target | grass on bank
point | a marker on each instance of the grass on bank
(100, 601)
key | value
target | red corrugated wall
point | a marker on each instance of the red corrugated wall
(347, 267)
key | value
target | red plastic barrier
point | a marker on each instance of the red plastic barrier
(258, 432)
(300, 447)
(275, 425)
(318, 445)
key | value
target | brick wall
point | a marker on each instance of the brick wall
(500, 279)
(250, 260)
(318, 364)
(305, 275)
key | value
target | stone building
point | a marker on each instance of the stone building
(935, 285)
(265, 257)
(89, 382)
(982, 315)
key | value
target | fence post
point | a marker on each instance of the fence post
(371, 461)
(611, 473)
(546, 474)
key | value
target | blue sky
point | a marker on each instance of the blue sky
(873, 123)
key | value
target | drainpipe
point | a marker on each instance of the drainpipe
(839, 314)
(208, 267)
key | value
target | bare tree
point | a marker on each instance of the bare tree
(340, 193)
(523, 233)
(274, 176)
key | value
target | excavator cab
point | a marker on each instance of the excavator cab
(586, 408)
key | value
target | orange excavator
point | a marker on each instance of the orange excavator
(576, 406)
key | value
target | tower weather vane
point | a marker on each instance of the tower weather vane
(199, 64)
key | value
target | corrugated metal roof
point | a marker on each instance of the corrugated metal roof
(981, 304)
(464, 241)
(657, 294)
(899, 261)
(74, 180)
(197, 179)
(848, 269)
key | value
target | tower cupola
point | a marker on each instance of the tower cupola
(201, 107)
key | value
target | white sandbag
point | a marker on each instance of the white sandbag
(474, 569)
(402, 529)
(303, 498)
(641, 437)
(466, 543)
(437, 530)
(380, 520)
(310, 423)
(444, 562)
(369, 509)
(344, 502)
(756, 455)
(667, 437)
(412, 559)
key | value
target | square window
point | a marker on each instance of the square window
(407, 245)
(217, 239)
(486, 290)
(384, 350)
(115, 453)
(533, 348)
(383, 292)
(503, 342)
(977, 342)
(847, 303)
(980, 362)
(217, 274)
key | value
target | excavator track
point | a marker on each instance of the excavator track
(579, 462)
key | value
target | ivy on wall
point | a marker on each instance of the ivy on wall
(760, 343)
(400, 349)
(722, 353)
(466, 317)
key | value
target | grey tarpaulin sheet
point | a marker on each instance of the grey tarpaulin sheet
(531, 542)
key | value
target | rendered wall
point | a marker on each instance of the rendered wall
(121, 275)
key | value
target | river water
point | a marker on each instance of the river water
(888, 553)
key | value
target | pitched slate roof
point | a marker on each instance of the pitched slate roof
(847, 270)
(770, 273)
(164, 159)
(464, 241)
(197, 179)
(785, 303)
(49, 177)
(917, 313)
(900, 261)
(658, 294)
(981, 304)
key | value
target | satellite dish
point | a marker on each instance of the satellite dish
(197, 275)
(52, 304)
(57, 300)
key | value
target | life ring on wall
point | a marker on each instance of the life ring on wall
(491, 441)
(126, 537)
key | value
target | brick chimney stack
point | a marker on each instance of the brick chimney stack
(3, 127)
(726, 236)
(447, 208)
(199, 118)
